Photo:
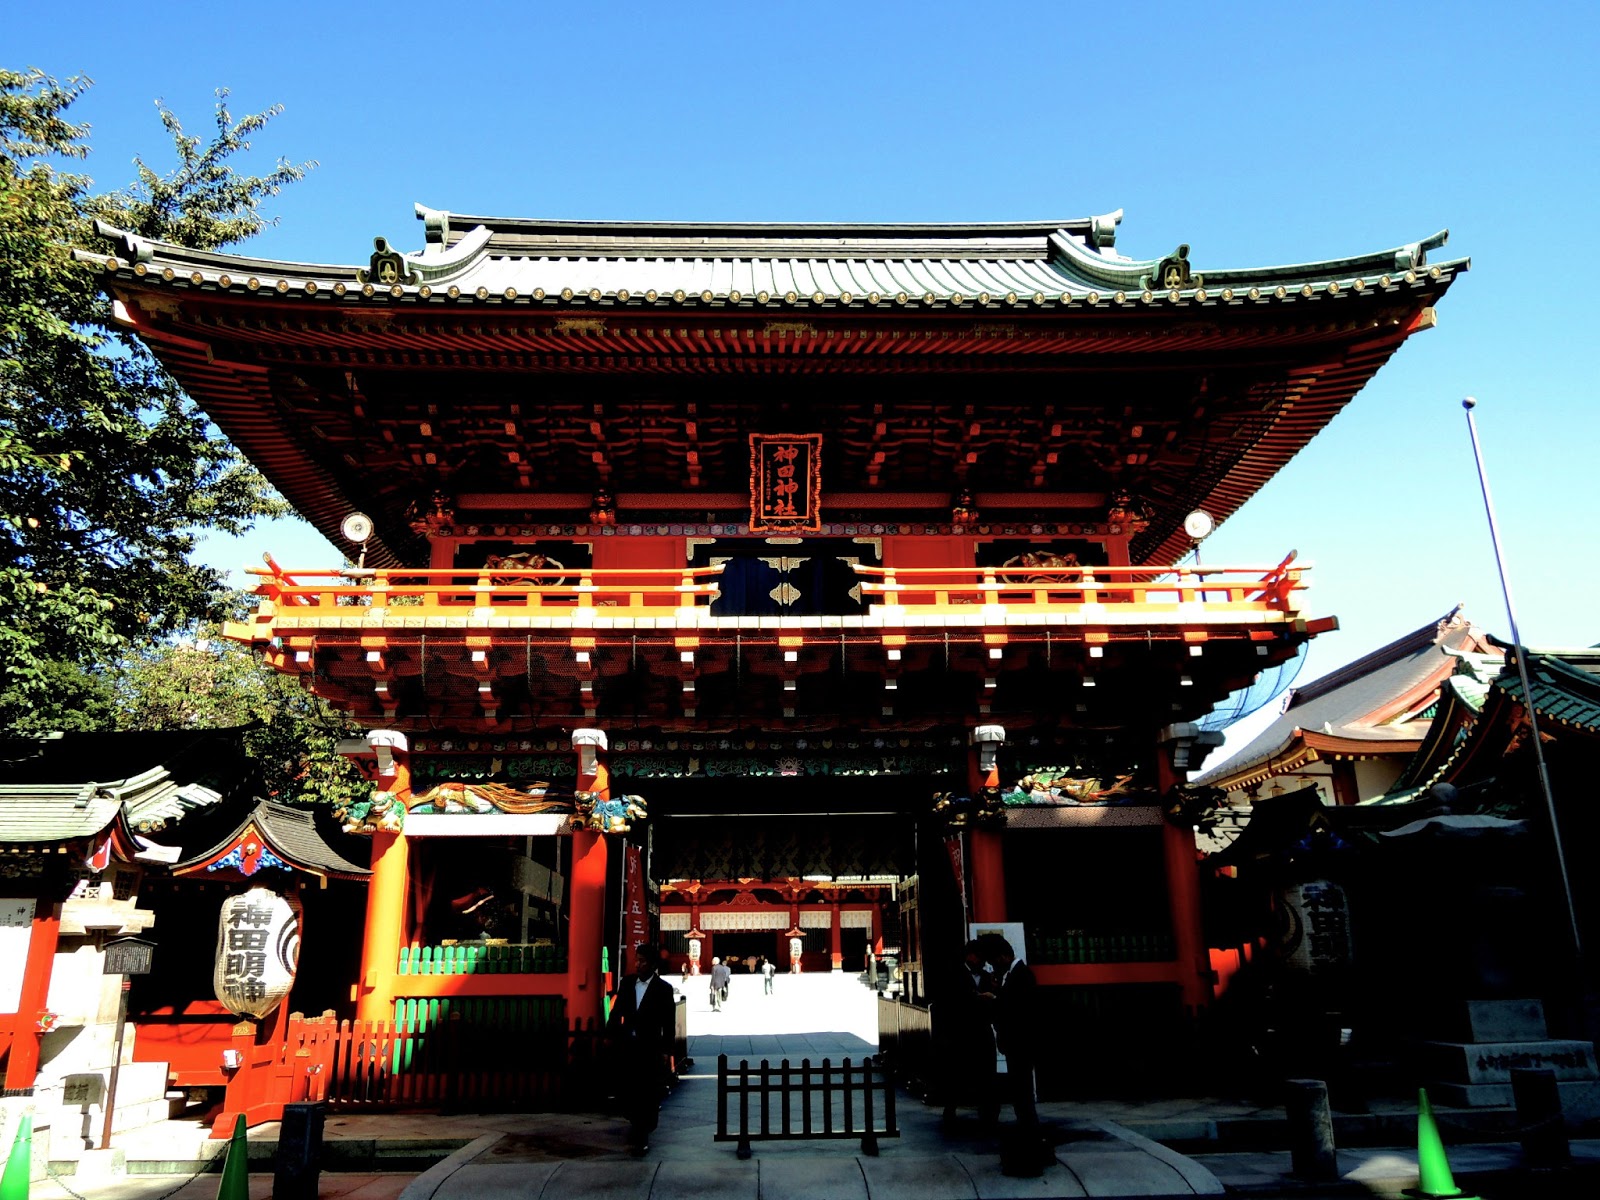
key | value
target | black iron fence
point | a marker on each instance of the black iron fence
(824, 1101)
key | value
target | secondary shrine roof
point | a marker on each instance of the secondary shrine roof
(1369, 706)
(55, 789)
(289, 834)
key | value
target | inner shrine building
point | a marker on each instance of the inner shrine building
(855, 556)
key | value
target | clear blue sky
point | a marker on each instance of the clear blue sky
(1257, 133)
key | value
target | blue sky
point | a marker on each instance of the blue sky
(1256, 133)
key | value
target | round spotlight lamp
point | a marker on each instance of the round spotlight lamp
(1198, 525)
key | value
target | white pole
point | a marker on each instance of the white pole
(1522, 673)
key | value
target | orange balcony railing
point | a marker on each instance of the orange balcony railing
(1218, 589)
(423, 591)
(582, 598)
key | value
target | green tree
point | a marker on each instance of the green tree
(199, 680)
(107, 470)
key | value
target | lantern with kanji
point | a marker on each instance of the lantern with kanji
(258, 948)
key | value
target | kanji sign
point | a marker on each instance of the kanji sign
(258, 949)
(785, 482)
(128, 956)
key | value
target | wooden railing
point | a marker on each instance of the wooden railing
(1076, 946)
(906, 1043)
(420, 591)
(824, 1101)
(500, 1053)
(576, 596)
(483, 959)
(1252, 587)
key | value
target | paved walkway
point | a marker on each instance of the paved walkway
(1103, 1148)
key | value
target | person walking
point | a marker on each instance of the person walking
(1016, 1019)
(769, 971)
(720, 974)
(640, 1031)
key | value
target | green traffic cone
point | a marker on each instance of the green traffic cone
(19, 1167)
(1434, 1180)
(235, 1183)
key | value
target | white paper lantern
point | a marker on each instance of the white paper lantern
(258, 949)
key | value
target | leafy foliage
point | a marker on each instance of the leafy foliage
(107, 470)
(198, 680)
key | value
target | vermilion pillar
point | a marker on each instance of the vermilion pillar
(836, 942)
(23, 1062)
(386, 891)
(586, 984)
(1183, 897)
(1183, 894)
(586, 925)
(385, 932)
(988, 854)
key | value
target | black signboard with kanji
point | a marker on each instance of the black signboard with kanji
(129, 956)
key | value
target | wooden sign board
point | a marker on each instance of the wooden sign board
(129, 956)
(785, 482)
(88, 1088)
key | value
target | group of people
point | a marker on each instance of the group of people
(993, 1003)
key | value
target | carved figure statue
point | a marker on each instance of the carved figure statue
(1049, 567)
(382, 813)
(607, 816)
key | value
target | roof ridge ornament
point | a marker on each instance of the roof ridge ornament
(1103, 229)
(134, 248)
(386, 267)
(1173, 271)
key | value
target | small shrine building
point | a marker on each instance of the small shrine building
(854, 555)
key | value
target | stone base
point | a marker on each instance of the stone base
(1580, 1098)
(1502, 1021)
(1492, 1062)
(101, 1164)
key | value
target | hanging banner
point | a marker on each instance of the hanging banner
(258, 949)
(955, 847)
(636, 914)
(785, 483)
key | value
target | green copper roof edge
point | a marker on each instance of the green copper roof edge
(1127, 275)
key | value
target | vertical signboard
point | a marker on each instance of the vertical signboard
(785, 482)
(16, 932)
(635, 912)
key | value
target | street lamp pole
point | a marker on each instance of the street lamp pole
(1522, 672)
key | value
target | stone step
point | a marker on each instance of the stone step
(1492, 1062)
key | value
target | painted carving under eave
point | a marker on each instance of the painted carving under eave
(258, 949)
(382, 812)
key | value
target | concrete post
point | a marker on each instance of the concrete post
(297, 1166)
(1310, 1129)
(1544, 1130)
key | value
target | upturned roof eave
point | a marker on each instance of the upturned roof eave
(1065, 270)
(259, 820)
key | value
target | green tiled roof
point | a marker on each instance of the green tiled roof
(1562, 690)
(1043, 264)
(58, 789)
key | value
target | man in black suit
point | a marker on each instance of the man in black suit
(641, 1030)
(1016, 1031)
(966, 1040)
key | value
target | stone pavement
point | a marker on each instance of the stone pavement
(1103, 1148)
